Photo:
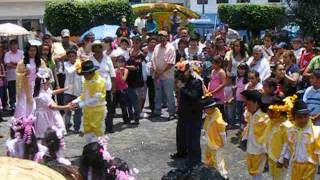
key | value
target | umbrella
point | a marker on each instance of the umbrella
(102, 31)
(12, 169)
(9, 29)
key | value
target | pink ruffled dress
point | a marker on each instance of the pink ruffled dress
(15, 148)
(47, 117)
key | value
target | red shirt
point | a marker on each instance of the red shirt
(305, 59)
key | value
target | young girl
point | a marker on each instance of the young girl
(229, 107)
(254, 81)
(241, 82)
(23, 143)
(121, 86)
(47, 111)
(55, 144)
(217, 81)
(270, 87)
(215, 132)
(302, 144)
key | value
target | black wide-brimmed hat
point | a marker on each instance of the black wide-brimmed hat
(253, 95)
(88, 67)
(208, 102)
(270, 100)
(300, 107)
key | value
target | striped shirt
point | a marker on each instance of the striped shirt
(312, 98)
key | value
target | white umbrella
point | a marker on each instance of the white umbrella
(8, 29)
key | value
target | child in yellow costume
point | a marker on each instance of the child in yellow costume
(215, 132)
(257, 122)
(302, 145)
(275, 133)
(92, 100)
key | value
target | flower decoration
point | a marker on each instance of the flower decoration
(181, 66)
(77, 66)
(286, 107)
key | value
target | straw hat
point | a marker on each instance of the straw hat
(14, 169)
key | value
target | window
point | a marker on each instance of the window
(222, 1)
(243, 1)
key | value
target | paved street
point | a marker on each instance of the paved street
(147, 148)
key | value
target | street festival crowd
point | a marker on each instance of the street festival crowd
(270, 93)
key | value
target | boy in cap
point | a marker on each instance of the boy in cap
(92, 100)
(215, 132)
(257, 120)
(302, 144)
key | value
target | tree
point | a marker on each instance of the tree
(252, 17)
(307, 15)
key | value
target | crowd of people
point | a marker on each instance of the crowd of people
(270, 93)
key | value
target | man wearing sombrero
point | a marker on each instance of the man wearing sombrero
(93, 101)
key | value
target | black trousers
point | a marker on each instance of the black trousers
(121, 97)
(60, 97)
(151, 92)
(4, 96)
(12, 93)
(110, 113)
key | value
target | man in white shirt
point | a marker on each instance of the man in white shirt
(106, 70)
(259, 63)
(74, 83)
(11, 59)
(140, 23)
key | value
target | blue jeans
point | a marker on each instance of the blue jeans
(166, 88)
(67, 98)
(133, 104)
(230, 112)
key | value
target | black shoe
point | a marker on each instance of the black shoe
(109, 131)
(171, 117)
(178, 156)
(136, 122)
(154, 115)
(126, 122)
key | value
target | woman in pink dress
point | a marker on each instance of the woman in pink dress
(217, 81)
(47, 111)
(26, 75)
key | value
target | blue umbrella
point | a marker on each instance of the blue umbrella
(102, 31)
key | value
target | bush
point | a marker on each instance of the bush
(252, 17)
(79, 16)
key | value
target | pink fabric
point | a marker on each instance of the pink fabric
(215, 81)
(240, 88)
(10, 57)
(47, 117)
(119, 83)
(22, 107)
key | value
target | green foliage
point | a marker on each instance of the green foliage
(78, 16)
(252, 17)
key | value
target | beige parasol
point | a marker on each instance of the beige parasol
(14, 169)
(8, 29)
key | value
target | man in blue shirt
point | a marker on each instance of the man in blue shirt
(312, 97)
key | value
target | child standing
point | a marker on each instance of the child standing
(241, 82)
(121, 86)
(275, 133)
(217, 81)
(47, 111)
(215, 131)
(229, 106)
(302, 144)
(254, 81)
(92, 100)
(257, 121)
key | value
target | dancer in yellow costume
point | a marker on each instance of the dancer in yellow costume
(215, 132)
(92, 100)
(275, 134)
(302, 145)
(254, 133)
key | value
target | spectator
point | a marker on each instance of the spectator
(229, 100)
(312, 97)
(136, 87)
(267, 47)
(151, 24)
(107, 46)
(183, 34)
(259, 63)
(175, 21)
(140, 23)
(123, 30)
(254, 81)
(193, 52)
(307, 54)
(314, 64)
(297, 48)
(74, 84)
(280, 49)
(241, 82)
(4, 97)
(11, 59)
(230, 34)
(84, 52)
(107, 72)
(122, 49)
(292, 72)
(46, 56)
(220, 48)
(238, 54)
(180, 52)
(206, 66)
(163, 61)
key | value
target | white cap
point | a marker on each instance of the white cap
(65, 33)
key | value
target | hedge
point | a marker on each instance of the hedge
(252, 17)
(79, 15)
